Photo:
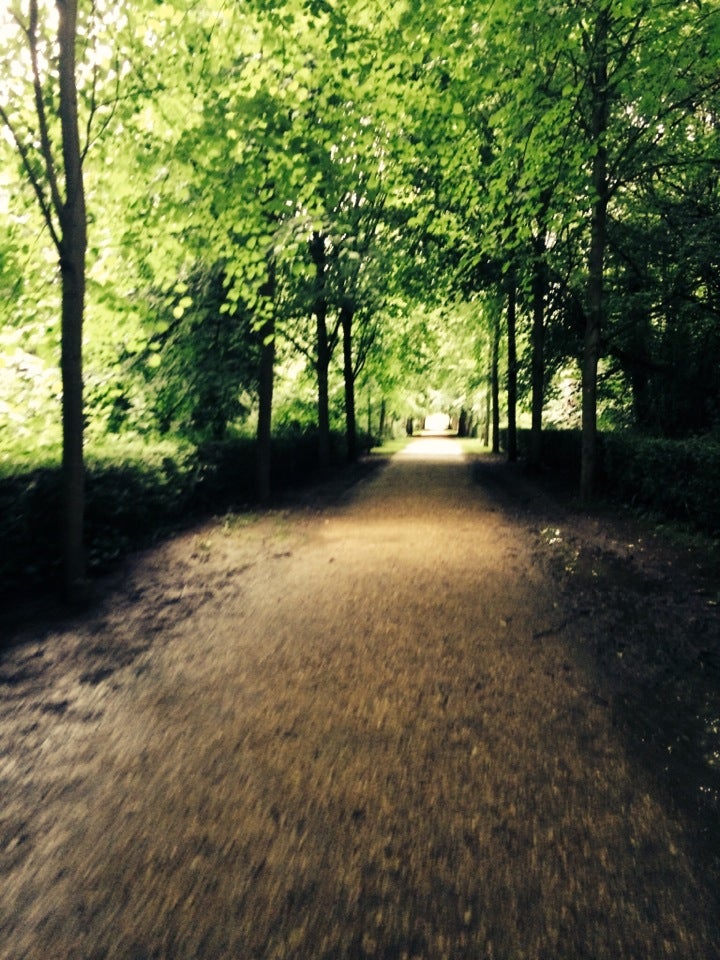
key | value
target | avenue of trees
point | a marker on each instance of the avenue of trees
(244, 218)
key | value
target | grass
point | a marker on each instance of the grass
(473, 445)
(391, 446)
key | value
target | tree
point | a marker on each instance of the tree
(56, 178)
(596, 40)
(512, 366)
(266, 382)
(359, 297)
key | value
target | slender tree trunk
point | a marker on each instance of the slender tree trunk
(264, 424)
(596, 258)
(488, 412)
(512, 369)
(383, 418)
(73, 470)
(641, 396)
(495, 386)
(73, 247)
(538, 354)
(462, 429)
(591, 353)
(323, 365)
(265, 393)
(322, 362)
(346, 319)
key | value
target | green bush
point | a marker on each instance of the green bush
(136, 492)
(679, 479)
(127, 501)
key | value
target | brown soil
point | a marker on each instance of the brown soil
(431, 719)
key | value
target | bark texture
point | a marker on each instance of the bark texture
(73, 247)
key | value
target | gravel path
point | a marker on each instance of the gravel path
(356, 732)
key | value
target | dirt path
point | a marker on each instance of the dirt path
(358, 732)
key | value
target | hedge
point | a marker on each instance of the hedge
(678, 479)
(133, 499)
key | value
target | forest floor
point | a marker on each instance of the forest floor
(440, 715)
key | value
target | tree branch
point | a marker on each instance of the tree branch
(43, 129)
(45, 207)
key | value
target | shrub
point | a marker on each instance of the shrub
(137, 490)
(679, 479)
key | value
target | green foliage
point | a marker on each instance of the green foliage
(200, 362)
(679, 479)
(676, 479)
(30, 392)
(664, 331)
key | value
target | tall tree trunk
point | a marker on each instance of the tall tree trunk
(512, 369)
(72, 250)
(596, 257)
(346, 319)
(264, 424)
(323, 350)
(462, 429)
(488, 412)
(382, 428)
(73, 468)
(322, 367)
(265, 392)
(539, 284)
(495, 385)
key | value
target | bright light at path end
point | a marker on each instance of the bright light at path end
(437, 422)
(433, 448)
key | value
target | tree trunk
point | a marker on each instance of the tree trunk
(323, 364)
(591, 353)
(487, 414)
(346, 319)
(383, 419)
(73, 468)
(538, 354)
(462, 430)
(323, 350)
(641, 397)
(512, 370)
(73, 247)
(264, 424)
(266, 380)
(495, 386)
(596, 257)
